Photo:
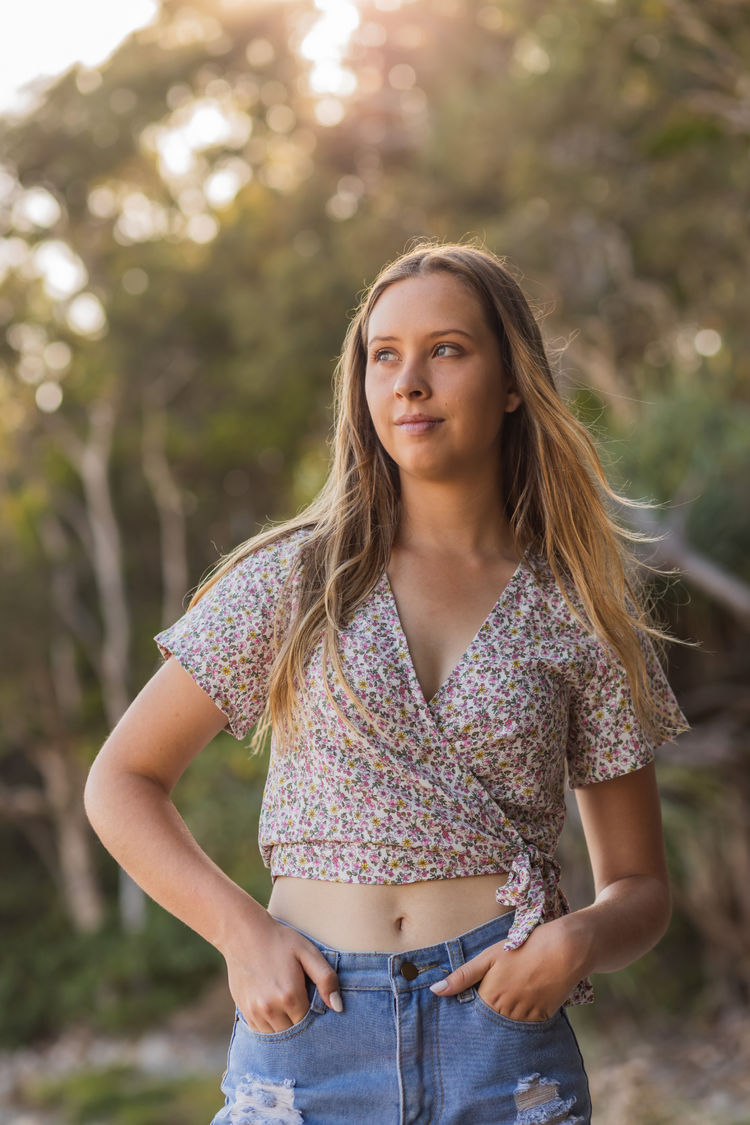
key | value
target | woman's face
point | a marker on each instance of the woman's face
(434, 382)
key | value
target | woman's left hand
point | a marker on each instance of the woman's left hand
(527, 984)
(622, 824)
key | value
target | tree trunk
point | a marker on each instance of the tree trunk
(91, 461)
(54, 822)
(168, 500)
(58, 805)
(27, 807)
(63, 785)
(64, 780)
(64, 590)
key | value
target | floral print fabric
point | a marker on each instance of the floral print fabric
(470, 782)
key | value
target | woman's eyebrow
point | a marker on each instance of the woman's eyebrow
(438, 332)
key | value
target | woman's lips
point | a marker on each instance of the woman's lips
(418, 423)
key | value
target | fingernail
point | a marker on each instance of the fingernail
(336, 1002)
(440, 986)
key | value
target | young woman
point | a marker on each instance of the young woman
(443, 633)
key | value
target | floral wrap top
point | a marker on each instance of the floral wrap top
(470, 782)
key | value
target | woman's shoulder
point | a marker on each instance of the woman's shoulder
(262, 571)
(551, 589)
(556, 598)
(277, 558)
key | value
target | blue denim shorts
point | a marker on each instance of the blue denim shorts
(400, 1055)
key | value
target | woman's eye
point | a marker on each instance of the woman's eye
(385, 355)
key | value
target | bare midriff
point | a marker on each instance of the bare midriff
(364, 918)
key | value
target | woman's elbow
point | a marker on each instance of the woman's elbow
(95, 794)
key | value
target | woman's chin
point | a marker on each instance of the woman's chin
(433, 473)
(435, 467)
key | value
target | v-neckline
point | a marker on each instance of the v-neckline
(417, 687)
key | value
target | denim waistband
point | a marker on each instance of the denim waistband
(358, 971)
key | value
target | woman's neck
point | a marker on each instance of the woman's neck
(463, 517)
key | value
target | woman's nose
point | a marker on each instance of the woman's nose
(412, 381)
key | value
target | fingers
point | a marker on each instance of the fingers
(277, 1013)
(273, 995)
(322, 975)
(463, 977)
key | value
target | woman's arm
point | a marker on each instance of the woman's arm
(622, 822)
(127, 800)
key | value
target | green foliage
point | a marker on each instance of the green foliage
(219, 797)
(51, 976)
(125, 1096)
(669, 980)
(693, 451)
(679, 133)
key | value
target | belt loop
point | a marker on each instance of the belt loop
(332, 957)
(456, 957)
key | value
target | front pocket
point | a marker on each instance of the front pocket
(518, 1025)
(276, 1036)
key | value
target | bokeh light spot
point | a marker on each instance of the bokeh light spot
(329, 111)
(281, 118)
(25, 338)
(179, 94)
(707, 342)
(402, 76)
(31, 369)
(38, 207)
(58, 356)
(202, 228)
(222, 185)
(260, 52)
(135, 281)
(531, 56)
(342, 205)
(102, 202)
(86, 316)
(63, 271)
(49, 397)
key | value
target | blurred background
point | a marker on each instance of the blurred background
(189, 206)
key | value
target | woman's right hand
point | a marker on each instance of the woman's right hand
(128, 802)
(266, 967)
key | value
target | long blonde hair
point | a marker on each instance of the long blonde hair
(554, 490)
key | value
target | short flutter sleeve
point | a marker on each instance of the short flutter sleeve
(605, 736)
(225, 641)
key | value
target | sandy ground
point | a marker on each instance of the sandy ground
(679, 1074)
(676, 1075)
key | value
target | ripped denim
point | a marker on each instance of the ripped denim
(400, 1055)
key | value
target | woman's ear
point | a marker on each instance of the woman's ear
(513, 400)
